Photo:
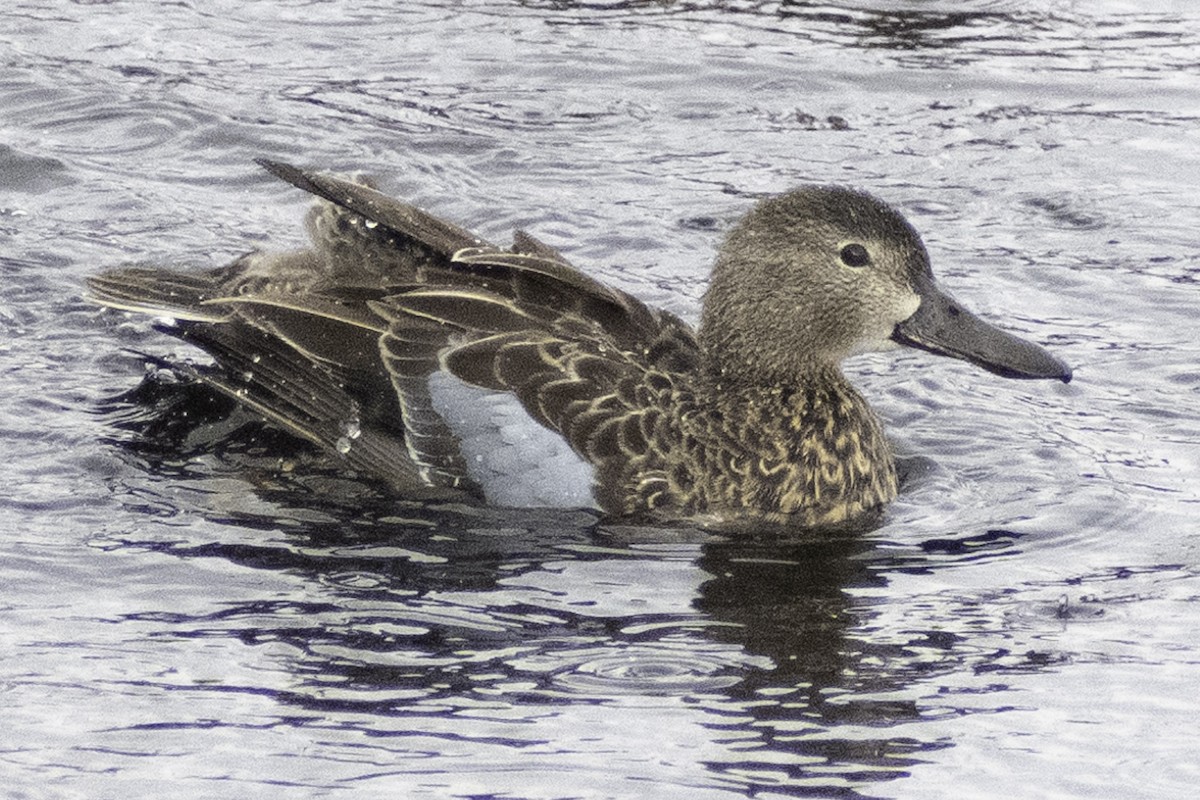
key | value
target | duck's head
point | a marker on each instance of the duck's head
(820, 273)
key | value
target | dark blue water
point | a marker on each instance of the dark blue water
(192, 623)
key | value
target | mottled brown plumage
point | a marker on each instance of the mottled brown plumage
(751, 416)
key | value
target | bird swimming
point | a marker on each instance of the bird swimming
(749, 416)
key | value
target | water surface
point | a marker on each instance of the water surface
(188, 622)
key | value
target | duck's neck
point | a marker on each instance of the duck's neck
(811, 448)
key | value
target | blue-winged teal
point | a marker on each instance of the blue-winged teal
(750, 416)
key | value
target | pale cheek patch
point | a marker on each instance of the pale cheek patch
(906, 306)
(878, 336)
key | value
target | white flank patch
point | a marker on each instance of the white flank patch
(518, 463)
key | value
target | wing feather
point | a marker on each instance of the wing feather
(160, 292)
(402, 218)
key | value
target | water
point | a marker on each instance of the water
(1024, 623)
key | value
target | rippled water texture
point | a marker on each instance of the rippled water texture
(1024, 623)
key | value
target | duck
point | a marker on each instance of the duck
(351, 342)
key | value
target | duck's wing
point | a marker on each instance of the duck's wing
(586, 360)
(293, 339)
(387, 280)
(601, 369)
(281, 362)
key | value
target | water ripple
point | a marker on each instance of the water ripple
(636, 669)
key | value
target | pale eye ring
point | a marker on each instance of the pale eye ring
(855, 255)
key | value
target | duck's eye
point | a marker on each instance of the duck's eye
(855, 255)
